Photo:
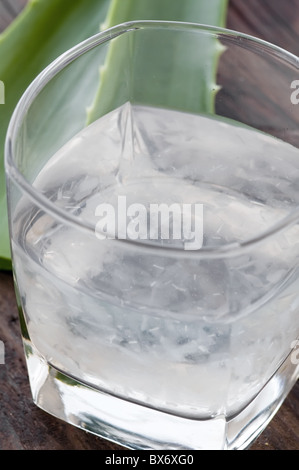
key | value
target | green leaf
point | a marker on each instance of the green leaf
(192, 92)
(44, 30)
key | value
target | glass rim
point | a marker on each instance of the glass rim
(45, 76)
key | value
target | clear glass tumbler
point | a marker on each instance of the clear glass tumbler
(154, 213)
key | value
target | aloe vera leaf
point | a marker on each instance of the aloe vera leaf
(212, 12)
(110, 95)
(42, 31)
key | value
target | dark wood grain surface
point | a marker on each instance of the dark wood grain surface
(23, 426)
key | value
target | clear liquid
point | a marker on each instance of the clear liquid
(194, 338)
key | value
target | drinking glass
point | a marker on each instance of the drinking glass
(152, 181)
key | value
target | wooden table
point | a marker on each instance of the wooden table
(23, 426)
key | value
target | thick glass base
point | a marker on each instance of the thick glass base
(139, 427)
